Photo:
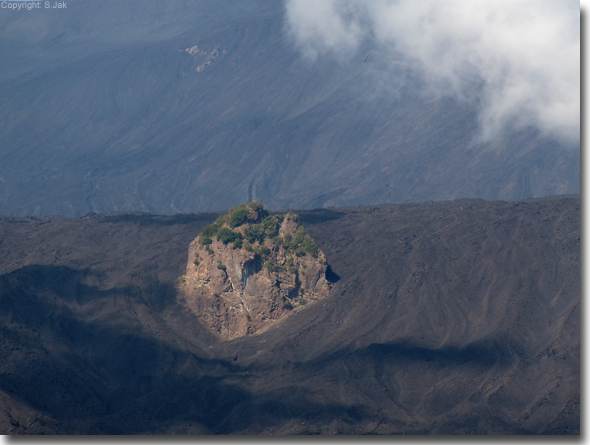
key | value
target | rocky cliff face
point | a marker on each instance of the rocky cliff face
(249, 269)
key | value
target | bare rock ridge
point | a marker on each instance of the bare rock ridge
(249, 269)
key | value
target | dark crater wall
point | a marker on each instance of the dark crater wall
(456, 317)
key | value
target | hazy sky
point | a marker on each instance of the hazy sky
(517, 61)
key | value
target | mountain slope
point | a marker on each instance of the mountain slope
(454, 317)
(100, 114)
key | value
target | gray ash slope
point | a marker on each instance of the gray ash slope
(456, 317)
(103, 109)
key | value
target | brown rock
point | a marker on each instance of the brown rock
(239, 291)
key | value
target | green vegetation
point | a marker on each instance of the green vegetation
(205, 238)
(220, 265)
(238, 216)
(291, 265)
(257, 207)
(253, 211)
(273, 267)
(221, 220)
(251, 227)
(271, 226)
(237, 244)
(244, 213)
(226, 235)
(254, 233)
(293, 217)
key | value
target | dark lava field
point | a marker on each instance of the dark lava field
(457, 317)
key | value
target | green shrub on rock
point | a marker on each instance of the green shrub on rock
(205, 238)
(310, 246)
(254, 233)
(254, 229)
(292, 216)
(271, 226)
(256, 206)
(272, 266)
(238, 216)
(226, 235)
(221, 220)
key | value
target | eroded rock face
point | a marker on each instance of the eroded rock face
(239, 288)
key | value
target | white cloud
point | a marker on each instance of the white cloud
(518, 61)
(321, 26)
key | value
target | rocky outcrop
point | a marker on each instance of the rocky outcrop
(249, 269)
(198, 54)
(193, 50)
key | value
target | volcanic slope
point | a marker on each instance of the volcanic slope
(456, 317)
(171, 106)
